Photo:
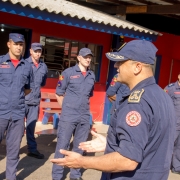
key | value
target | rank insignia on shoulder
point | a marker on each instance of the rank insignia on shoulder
(61, 77)
(172, 84)
(135, 96)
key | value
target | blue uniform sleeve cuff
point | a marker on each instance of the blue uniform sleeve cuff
(60, 93)
(129, 151)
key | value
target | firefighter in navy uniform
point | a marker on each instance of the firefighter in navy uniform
(16, 81)
(74, 89)
(32, 100)
(141, 134)
(115, 93)
(173, 90)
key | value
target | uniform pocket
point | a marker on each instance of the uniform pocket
(5, 76)
(177, 99)
(3, 100)
(90, 84)
(74, 84)
(40, 76)
(25, 76)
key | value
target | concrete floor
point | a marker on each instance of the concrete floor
(40, 169)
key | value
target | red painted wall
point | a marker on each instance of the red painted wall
(63, 31)
(168, 47)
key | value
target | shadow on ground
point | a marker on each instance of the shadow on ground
(28, 165)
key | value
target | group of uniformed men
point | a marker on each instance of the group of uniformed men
(20, 83)
(141, 134)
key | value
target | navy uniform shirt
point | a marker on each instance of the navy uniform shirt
(143, 129)
(118, 89)
(173, 90)
(13, 81)
(76, 90)
(40, 76)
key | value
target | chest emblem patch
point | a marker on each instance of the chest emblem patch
(133, 118)
(74, 77)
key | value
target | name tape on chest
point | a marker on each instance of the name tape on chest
(135, 96)
(4, 66)
(133, 118)
(74, 77)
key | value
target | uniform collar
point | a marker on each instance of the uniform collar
(7, 58)
(177, 85)
(78, 69)
(29, 59)
(144, 83)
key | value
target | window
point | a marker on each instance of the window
(59, 54)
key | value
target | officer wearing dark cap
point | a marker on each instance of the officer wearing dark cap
(140, 137)
(32, 100)
(16, 80)
(74, 89)
(115, 92)
(173, 90)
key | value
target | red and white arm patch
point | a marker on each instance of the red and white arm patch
(133, 118)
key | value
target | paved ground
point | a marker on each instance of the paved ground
(40, 169)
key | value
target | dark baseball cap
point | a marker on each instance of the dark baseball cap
(36, 46)
(137, 50)
(85, 52)
(16, 37)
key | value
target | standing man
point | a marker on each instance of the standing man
(141, 134)
(33, 98)
(74, 89)
(16, 80)
(174, 92)
(115, 92)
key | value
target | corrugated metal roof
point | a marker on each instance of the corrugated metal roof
(74, 10)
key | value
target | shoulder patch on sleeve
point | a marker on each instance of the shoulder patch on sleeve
(172, 84)
(135, 96)
(133, 118)
(114, 80)
(61, 77)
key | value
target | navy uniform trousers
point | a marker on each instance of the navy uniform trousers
(32, 113)
(14, 131)
(64, 134)
(175, 166)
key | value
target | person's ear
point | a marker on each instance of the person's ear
(137, 68)
(78, 57)
(31, 51)
(8, 44)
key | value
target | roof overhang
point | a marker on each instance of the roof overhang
(64, 12)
